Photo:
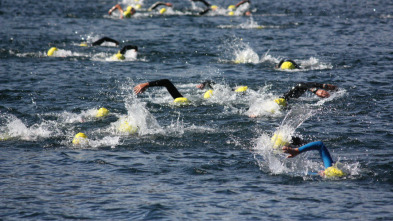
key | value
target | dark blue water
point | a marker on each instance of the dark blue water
(208, 160)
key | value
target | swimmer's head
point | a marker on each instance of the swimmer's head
(83, 44)
(333, 171)
(126, 127)
(138, 6)
(241, 89)
(281, 101)
(181, 100)
(51, 51)
(214, 7)
(231, 13)
(119, 56)
(129, 12)
(231, 8)
(80, 138)
(287, 65)
(102, 112)
(278, 140)
(208, 94)
(162, 11)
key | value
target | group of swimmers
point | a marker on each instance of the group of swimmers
(292, 148)
(241, 8)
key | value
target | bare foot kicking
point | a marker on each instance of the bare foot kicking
(291, 151)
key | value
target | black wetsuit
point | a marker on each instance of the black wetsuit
(284, 60)
(301, 88)
(207, 5)
(104, 39)
(155, 5)
(208, 84)
(128, 47)
(169, 86)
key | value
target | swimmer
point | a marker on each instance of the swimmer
(318, 89)
(101, 41)
(178, 98)
(208, 7)
(122, 52)
(321, 90)
(245, 11)
(209, 85)
(286, 64)
(330, 169)
(157, 4)
(128, 13)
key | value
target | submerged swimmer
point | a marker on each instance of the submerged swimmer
(157, 4)
(318, 89)
(240, 10)
(178, 98)
(208, 8)
(122, 52)
(208, 84)
(101, 41)
(331, 170)
(128, 13)
(287, 64)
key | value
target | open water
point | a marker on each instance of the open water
(208, 160)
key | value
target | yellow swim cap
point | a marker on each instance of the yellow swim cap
(287, 65)
(51, 51)
(214, 7)
(241, 89)
(231, 13)
(83, 44)
(281, 102)
(231, 7)
(125, 127)
(80, 138)
(208, 94)
(162, 11)
(278, 141)
(333, 171)
(129, 8)
(102, 112)
(138, 6)
(181, 100)
(127, 14)
(119, 56)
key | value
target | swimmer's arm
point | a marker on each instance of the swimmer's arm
(155, 5)
(204, 84)
(203, 1)
(204, 11)
(140, 88)
(104, 39)
(242, 2)
(118, 7)
(128, 47)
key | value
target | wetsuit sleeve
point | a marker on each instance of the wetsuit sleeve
(128, 47)
(242, 2)
(323, 152)
(203, 1)
(169, 86)
(155, 5)
(104, 39)
(208, 83)
(300, 88)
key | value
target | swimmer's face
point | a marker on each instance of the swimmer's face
(169, 4)
(322, 93)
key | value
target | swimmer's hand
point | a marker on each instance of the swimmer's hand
(322, 93)
(293, 152)
(200, 86)
(140, 88)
